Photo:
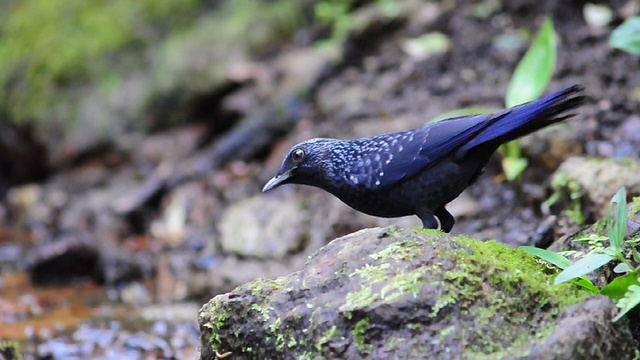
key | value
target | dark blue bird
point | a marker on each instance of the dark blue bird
(419, 171)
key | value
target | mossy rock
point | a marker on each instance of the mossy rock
(10, 350)
(392, 293)
(582, 187)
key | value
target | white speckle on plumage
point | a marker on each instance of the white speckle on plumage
(400, 148)
(377, 182)
(388, 161)
(377, 157)
(381, 173)
(367, 162)
(353, 179)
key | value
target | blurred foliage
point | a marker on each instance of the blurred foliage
(259, 23)
(50, 51)
(627, 36)
(48, 44)
(531, 76)
(533, 72)
(338, 14)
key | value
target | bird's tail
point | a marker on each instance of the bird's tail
(524, 119)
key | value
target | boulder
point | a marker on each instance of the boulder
(388, 293)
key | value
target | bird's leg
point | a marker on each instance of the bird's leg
(429, 221)
(446, 219)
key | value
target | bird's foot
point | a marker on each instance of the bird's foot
(430, 221)
(446, 220)
(441, 220)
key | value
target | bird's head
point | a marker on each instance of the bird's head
(311, 162)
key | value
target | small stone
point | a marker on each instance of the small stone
(263, 228)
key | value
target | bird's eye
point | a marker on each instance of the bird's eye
(297, 155)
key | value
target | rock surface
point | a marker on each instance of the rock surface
(387, 293)
(258, 227)
(586, 185)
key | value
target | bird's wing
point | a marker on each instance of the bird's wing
(387, 159)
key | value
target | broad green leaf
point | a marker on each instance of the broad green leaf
(617, 230)
(511, 149)
(620, 227)
(586, 283)
(630, 300)
(534, 71)
(619, 286)
(561, 262)
(627, 36)
(622, 268)
(548, 256)
(583, 267)
(514, 167)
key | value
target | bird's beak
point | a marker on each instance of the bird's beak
(277, 180)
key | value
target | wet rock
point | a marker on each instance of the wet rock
(390, 293)
(585, 331)
(262, 228)
(62, 261)
(550, 148)
(586, 185)
(69, 258)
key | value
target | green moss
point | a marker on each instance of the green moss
(377, 273)
(11, 349)
(292, 341)
(564, 187)
(218, 317)
(275, 327)
(402, 250)
(330, 334)
(359, 336)
(280, 342)
(263, 311)
(495, 266)
(404, 283)
(392, 342)
(635, 206)
(508, 267)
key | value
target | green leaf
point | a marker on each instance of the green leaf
(514, 167)
(534, 71)
(630, 300)
(583, 267)
(586, 283)
(511, 149)
(619, 286)
(548, 256)
(561, 262)
(627, 36)
(622, 268)
(617, 230)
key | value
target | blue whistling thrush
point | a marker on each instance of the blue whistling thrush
(419, 171)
